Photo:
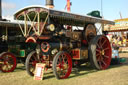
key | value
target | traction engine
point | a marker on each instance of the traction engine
(63, 40)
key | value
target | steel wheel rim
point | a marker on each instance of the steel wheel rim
(103, 52)
(8, 62)
(64, 65)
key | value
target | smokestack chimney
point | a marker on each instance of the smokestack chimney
(49, 4)
(0, 9)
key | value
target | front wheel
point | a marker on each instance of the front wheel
(62, 65)
(31, 61)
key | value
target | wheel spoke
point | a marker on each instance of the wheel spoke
(103, 43)
(98, 50)
(63, 58)
(30, 63)
(9, 66)
(32, 59)
(35, 57)
(100, 42)
(98, 54)
(103, 62)
(63, 73)
(100, 64)
(6, 67)
(60, 60)
(98, 59)
(98, 45)
(65, 61)
(106, 48)
(106, 56)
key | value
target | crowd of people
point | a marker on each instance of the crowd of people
(118, 41)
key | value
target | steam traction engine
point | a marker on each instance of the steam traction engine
(63, 39)
(13, 48)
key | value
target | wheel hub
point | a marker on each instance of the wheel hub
(6, 62)
(102, 52)
(65, 66)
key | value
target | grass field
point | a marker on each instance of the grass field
(115, 75)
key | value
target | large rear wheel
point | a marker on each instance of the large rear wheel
(100, 52)
(7, 62)
(62, 65)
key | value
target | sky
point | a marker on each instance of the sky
(111, 8)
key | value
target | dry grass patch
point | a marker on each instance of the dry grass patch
(115, 75)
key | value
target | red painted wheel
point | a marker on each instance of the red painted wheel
(7, 62)
(31, 61)
(100, 52)
(62, 65)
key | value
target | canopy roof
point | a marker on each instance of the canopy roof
(11, 24)
(62, 16)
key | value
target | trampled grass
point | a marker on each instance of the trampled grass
(115, 75)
